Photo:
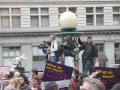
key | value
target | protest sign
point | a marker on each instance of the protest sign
(4, 70)
(57, 72)
(110, 76)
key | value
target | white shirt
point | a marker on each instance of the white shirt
(54, 47)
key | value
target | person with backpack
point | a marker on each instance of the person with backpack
(89, 53)
(68, 47)
(53, 49)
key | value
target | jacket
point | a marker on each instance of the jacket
(26, 87)
(90, 51)
(69, 48)
(54, 47)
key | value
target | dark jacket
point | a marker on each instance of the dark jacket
(90, 51)
(25, 88)
(69, 48)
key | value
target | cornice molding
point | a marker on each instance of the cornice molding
(53, 2)
(39, 34)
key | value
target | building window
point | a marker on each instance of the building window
(89, 19)
(9, 54)
(89, 10)
(5, 22)
(117, 47)
(33, 10)
(38, 59)
(4, 10)
(15, 21)
(116, 19)
(44, 10)
(44, 21)
(72, 9)
(34, 21)
(15, 10)
(116, 9)
(99, 19)
(100, 48)
(62, 9)
(44, 17)
(99, 9)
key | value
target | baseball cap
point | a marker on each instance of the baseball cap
(89, 37)
(48, 42)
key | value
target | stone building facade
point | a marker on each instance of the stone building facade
(24, 24)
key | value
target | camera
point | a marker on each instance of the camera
(42, 46)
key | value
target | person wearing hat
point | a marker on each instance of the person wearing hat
(51, 86)
(24, 83)
(90, 51)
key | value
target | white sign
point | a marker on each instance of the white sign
(4, 70)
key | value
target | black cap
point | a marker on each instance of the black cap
(51, 85)
(48, 42)
(89, 37)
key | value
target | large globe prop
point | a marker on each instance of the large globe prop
(68, 20)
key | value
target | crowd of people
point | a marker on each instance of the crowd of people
(80, 81)
(89, 56)
(55, 53)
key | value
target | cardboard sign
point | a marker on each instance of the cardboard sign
(110, 76)
(4, 70)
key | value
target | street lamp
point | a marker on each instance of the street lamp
(68, 22)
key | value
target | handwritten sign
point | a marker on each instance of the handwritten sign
(110, 76)
(4, 70)
(55, 72)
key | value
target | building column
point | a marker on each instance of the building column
(1, 55)
(110, 52)
(27, 50)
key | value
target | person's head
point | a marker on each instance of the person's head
(23, 80)
(13, 82)
(48, 44)
(78, 77)
(34, 72)
(68, 38)
(17, 75)
(89, 39)
(76, 71)
(83, 76)
(52, 38)
(10, 87)
(116, 87)
(92, 84)
(35, 80)
(51, 86)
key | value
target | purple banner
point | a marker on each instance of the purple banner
(110, 76)
(55, 72)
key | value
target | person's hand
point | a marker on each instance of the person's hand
(94, 74)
